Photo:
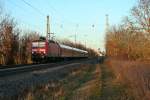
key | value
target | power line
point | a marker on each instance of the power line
(24, 22)
(36, 9)
(60, 13)
(19, 6)
(33, 7)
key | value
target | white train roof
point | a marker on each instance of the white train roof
(72, 48)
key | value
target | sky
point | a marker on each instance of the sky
(85, 18)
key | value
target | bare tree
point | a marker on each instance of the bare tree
(131, 39)
(9, 40)
(141, 15)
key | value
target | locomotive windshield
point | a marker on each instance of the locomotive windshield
(38, 44)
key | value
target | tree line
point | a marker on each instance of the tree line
(15, 45)
(131, 39)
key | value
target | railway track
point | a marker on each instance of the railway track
(12, 66)
(27, 68)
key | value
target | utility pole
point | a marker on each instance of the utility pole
(48, 29)
(85, 39)
(106, 29)
(76, 34)
(107, 23)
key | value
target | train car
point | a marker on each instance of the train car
(52, 51)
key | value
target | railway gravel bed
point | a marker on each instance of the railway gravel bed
(12, 86)
(7, 71)
(12, 66)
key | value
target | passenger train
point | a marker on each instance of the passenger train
(46, 51)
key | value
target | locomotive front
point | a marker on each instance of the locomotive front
(39, 51)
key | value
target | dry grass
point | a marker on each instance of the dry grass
(90, 89)
(81, 83)
(134, 75)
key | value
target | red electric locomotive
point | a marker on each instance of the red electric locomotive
(45, 51)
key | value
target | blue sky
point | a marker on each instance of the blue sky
(65, 15)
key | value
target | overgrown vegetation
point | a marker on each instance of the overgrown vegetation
(128, 51)
(111, 89)
(134, 76)
(14, 44)
(131, 39)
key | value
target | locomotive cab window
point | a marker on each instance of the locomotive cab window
(38, 44)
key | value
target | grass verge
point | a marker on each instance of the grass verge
(111, 90)
(80, 83)
(134, 76)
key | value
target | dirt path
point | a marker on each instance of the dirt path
(110, 89)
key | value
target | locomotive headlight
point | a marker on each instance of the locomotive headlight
(43, 52)
(33, 52)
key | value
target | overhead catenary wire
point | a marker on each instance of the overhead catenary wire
(43, 14)
(40, 12)
(22, 22)
(36, 9)
(64, 18)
